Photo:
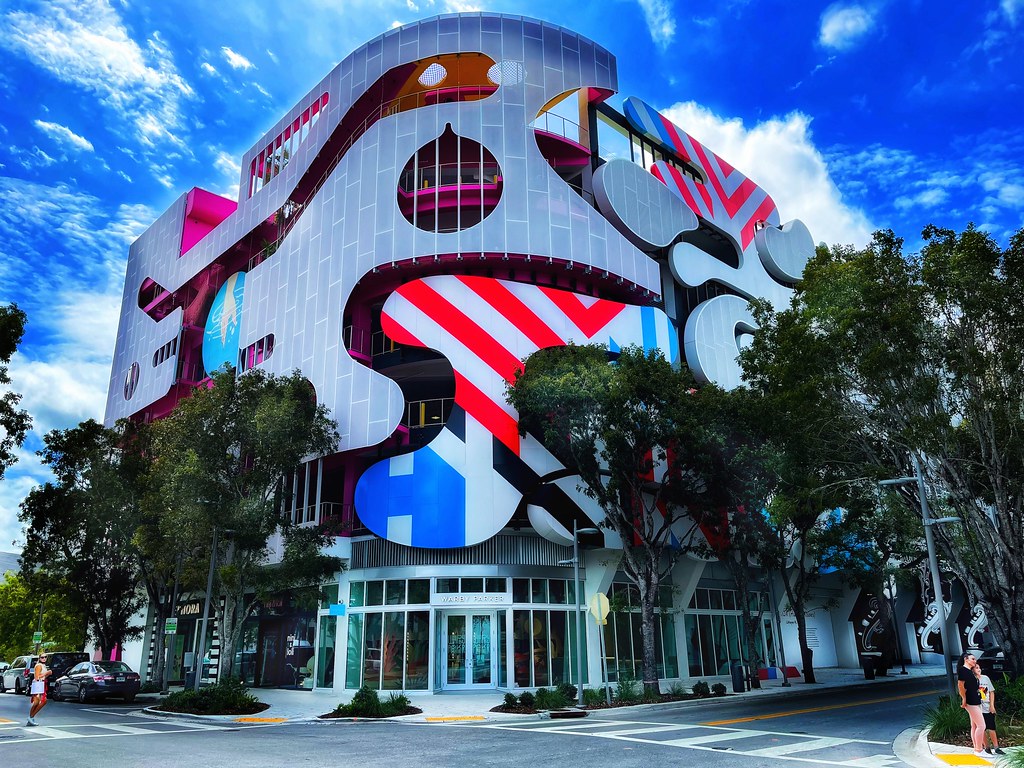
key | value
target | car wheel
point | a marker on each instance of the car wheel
(83, 697)
(129, 698)
(55, 693)
(3, 687)
(17, 687)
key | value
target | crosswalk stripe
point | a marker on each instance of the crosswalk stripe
(53, 733)
(648, 729)
(127, 729)
(822, 742)
(720, 736)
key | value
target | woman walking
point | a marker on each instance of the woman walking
(970, 699)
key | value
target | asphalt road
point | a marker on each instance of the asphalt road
(853, 727)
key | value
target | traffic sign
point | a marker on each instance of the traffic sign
(170, 626)
(599, 607)
(37, 638)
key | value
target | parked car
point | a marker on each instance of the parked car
(97, 680)
(3, 666)
(18, 676)
(992, 662)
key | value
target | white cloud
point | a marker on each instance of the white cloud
(262, 90)
(235, 60)
(926, 198)
(64, 135)
(660, 23)
(780, 156)
(1011, 8)
(273, 56)
(208, 68)
(843, 26)
(85, 44)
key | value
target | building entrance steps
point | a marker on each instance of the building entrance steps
(299, 706)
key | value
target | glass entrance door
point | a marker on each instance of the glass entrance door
(469, 642)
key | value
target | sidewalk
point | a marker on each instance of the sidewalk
(298, 706)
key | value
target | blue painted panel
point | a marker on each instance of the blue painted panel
(223, 325)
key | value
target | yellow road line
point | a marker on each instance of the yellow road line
(962, 759)
(4, 720)
(453, 719)
(821, 709)
(260, 719)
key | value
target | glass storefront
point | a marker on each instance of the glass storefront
(713, 626)
(623, 639)
(485, 632)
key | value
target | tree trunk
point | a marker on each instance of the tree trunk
(227, 619)
(648, 597)
(806, 653)
(156, 674)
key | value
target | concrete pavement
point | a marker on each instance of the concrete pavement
(300, 706)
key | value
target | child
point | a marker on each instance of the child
(988, 711)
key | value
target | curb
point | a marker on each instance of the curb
(805, 689)
(189, 717)
(911, 746)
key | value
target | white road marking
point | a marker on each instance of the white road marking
(820, 742)
(729, 738)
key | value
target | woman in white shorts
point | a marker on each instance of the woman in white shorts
(38, 689)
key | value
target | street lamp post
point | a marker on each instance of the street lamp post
(576, 588)
(206, 611)
(890, 593)
(933, 564)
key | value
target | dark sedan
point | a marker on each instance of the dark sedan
(97, 680)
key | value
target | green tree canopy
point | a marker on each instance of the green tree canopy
(221, 457)
(80, 529)
(658, 455)
(14, 423)
(884, 355)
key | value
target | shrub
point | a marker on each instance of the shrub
(718, 689)
(568, 690)
(677, 689)
(225, 697)
(1010, 696)
(150, 686)
(701, 689)
(367, 703)
(947, 720)
(628, 687)
(510, 701)
(593, 696)
(1015, 758)
(546, 699)
(527, 700)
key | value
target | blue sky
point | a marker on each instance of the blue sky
(853, 115)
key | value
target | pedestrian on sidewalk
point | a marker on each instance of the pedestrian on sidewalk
(988, 712)
(38, 690)
(970, 699)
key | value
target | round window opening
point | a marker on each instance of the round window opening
(451, 183)
(433, 75)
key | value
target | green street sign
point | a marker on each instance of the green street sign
(37, 638)
(170, 626)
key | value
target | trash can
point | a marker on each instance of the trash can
(869, 662)
(739, 678)
(190, 680)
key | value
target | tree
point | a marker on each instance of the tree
(222, 454)
(14, 423)
(22, 601)
(918, 355)
(649, 447)
(80, 528)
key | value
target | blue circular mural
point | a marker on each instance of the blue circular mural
(223, 325)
